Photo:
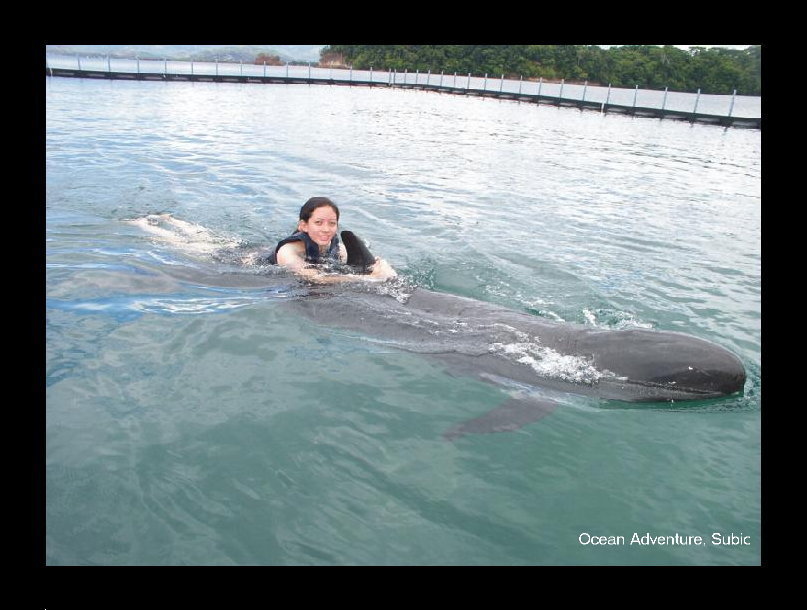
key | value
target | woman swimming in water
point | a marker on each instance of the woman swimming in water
(316, 243)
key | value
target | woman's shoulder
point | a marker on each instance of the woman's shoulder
(296, 246)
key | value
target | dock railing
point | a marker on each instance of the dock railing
(727, 110)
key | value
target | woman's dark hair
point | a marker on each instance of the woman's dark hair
(314, 203)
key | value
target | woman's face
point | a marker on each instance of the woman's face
(322, 225)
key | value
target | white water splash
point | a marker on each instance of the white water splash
(613, 319)
(547, 362)
(398, 287)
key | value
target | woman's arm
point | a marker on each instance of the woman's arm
(292, 257)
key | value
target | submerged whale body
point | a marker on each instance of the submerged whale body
(634, 365)
(517, 349)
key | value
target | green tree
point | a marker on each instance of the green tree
(648, 66)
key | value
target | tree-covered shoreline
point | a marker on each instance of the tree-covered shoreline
(712, 70)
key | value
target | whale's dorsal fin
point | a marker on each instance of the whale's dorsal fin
(358, 255)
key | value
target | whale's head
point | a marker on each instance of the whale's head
(660, 366)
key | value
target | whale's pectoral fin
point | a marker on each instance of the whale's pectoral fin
(514, 414)
(358, 255)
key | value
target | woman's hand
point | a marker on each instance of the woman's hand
(382, 270)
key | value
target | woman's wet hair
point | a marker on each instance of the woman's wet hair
(314, 203)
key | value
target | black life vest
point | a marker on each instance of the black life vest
(312, 254)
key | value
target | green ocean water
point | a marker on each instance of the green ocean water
(192, 419)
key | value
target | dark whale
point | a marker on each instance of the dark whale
(514, 348)
(534, 357)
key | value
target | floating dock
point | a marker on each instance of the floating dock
(535, 98)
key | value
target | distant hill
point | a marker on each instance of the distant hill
(229, 53)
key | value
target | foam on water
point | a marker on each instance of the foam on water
(547, 362)
(610, 318)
